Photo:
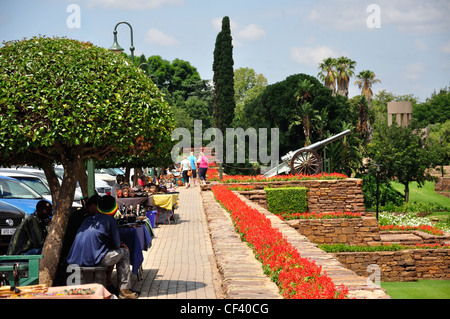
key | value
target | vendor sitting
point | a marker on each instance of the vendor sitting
(97, 243)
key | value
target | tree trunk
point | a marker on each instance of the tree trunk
(406, 192)
(62, 197)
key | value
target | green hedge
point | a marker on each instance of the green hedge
(286, 200)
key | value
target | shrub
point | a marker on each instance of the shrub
(286, 199)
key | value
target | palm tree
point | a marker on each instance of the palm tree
(304, 90)
(328, 73)
(305, 116)
(365, 81)
(345, 69)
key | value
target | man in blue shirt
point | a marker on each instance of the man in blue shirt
(98, 243)
(193, 162)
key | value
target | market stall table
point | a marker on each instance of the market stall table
(137, 239)
(166, 204)
(131, 201)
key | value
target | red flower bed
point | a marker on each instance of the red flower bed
(213, 175)
(425, 228)
(290, 177)
(296, 277)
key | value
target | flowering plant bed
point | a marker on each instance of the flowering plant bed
(425, 228)
(296, 277)
(335, 248)
(289, 216)
(261, 178)
(213, 175)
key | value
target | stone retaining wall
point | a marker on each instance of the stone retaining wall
(405, 265)
(323, 196)
(353, 231)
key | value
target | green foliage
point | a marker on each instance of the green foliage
(436, 109)
(276, 106)
(247, 86)
(58, 93)
(223, 79)
(403, 153)
(286, 199)
(387, 194)
(341, 248)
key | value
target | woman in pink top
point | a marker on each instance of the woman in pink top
(202, 167)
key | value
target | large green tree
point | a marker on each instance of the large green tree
(278, 107)
(404, 154)
(223, 78)
(62, 102)
(436, 109)
(247, 86)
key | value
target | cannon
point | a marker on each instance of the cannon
(305, 160)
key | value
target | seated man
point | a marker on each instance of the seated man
(30, 235)
(97, 243)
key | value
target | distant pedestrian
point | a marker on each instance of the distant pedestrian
(184, 167)
(193, 162)
(202, 167)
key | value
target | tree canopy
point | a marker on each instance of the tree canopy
(223, 79)
(64, 101)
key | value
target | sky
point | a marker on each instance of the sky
(406, 43)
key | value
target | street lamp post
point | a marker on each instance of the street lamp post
(116, 47)
(378, 184)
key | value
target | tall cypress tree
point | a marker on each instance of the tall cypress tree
(223, 79)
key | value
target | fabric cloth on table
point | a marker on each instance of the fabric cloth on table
(166, 201)
(137, 239)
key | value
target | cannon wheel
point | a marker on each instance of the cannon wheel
(306, 162)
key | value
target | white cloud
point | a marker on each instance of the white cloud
(251, 32)
(408, 16)
(311, 56)
(133, 4)
(414, 71)
(158, 37)
(420, 45)
(446, 48)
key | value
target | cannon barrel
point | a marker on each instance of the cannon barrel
(317, 145)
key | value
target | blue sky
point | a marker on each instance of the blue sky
(405, 42)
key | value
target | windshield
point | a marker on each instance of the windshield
(34, 183)
(16, 190)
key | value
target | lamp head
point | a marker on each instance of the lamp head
(116, 48)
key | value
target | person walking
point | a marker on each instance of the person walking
(184, 167)
(193, 162)
(202, 167)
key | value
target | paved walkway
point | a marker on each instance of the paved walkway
(180, 262)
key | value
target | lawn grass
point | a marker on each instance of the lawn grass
(422, 289)
(424, 194)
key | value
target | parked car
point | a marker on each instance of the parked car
(10, 219)
(36, 179)
(18, 194)
(101, 186)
